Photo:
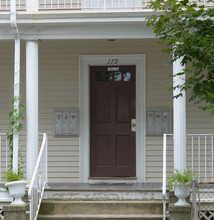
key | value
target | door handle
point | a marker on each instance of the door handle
(133, 125)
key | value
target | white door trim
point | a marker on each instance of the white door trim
(104, 60)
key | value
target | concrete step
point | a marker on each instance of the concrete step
(102, 201)
(110, 217)
(108, 191)
(53, 207)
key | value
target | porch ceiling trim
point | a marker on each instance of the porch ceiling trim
(76, 27)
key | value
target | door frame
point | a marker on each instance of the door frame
(85, 61)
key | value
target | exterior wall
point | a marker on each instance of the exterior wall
(59, 89)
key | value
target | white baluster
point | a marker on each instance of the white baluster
(212, 157)
(192, 153)
(205, 157)
(6, 152)
(0, 158)
(199, 158)
(104, 5)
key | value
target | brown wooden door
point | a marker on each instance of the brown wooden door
(112, 106)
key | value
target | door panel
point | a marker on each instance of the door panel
(123, 105)
(112, 106)
(103, 111)
(102, 152)
(123, 150)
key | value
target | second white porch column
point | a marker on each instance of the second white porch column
(31, 105)
(179, 115)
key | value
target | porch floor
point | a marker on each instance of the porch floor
(104, 187)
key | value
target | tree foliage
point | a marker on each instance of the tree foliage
(187, 30)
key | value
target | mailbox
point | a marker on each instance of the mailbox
(66, 122)
(158, 121)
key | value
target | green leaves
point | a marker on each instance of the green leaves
(187, 31)
(15, 127)
(11, 176)
(181, 178)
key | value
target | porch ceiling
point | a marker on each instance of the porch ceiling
(78, 26)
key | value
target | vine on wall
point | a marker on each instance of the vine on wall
(15, 116)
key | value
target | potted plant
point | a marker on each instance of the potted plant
(15, 183)
(181, 181)
(16, 186)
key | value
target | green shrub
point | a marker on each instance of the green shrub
(181, 178)
(12, 176)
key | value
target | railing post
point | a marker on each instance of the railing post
(46, 159)
(194, 201)
(205, 158)
(32, 5)
(212, 157)
(0, 158)
(38, 181)
(164, 177)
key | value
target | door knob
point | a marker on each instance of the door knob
(133, 125)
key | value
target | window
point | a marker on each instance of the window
(110, 76)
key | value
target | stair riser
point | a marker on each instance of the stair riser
(101, 208)
(79, 195)
(109, 218)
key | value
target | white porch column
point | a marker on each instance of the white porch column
(179, 115)
(31, 105)
(16, 102)
(32, 5)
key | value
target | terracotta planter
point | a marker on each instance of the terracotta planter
(17, 191)
(182, 192)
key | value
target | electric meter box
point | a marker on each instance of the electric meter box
(66, 122)
(158, 121)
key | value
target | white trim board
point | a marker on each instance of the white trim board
(103, 60)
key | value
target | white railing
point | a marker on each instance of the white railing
(93, 4)
(90, 4)
(104, 4)
(39, 180)
(199, 158)
(5, 5)
(3, 155)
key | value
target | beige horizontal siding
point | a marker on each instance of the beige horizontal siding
(59, 89)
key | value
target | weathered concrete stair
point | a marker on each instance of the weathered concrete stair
(68, 209)
(102, 201)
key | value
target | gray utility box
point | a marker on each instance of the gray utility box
(66, 122)
(158, 121)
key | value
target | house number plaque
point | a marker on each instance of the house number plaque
(113, 61)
